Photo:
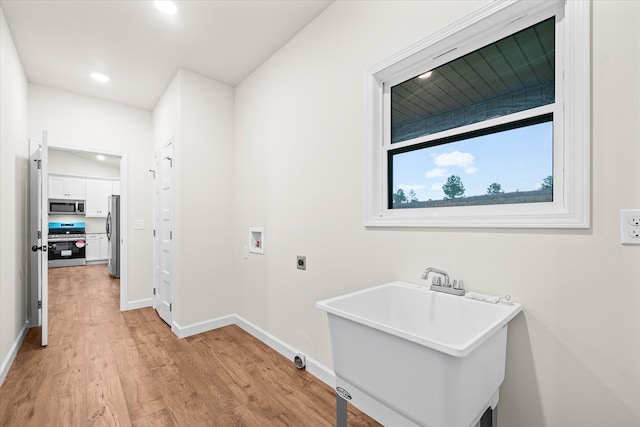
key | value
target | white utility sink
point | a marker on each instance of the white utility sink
(409, 356)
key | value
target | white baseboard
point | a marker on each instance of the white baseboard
(198, 328)
(141, 303)
(315, 368)
(6, 363)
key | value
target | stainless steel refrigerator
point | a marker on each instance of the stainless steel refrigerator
(113, 235)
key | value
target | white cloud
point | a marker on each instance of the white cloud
(471, 170)
(455, 158)
(437, 172)
(437, 186)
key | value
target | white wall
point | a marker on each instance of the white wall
(573, 355)
(166, 115)
(89, 123)
(14, 177)
(198, 112)
(71, 163)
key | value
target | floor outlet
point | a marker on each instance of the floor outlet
(300, 361)
(630, 226)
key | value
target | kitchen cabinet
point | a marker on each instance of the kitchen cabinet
(66, 187)
(97, 248)
(97, 200)
(92, 249)
(116, 187)
(104, 246)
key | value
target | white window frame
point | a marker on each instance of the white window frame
(572, 120)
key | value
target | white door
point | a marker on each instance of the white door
(163, 232)
(39, 226)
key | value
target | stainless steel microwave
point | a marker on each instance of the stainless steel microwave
(66, 207)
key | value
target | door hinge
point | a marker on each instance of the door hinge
(170, 235)
(154, 233)
(39, 304)
(154, 291)
(39, 234)
(39, 163)
(170, 306)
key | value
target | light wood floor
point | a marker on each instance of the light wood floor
(111, 368)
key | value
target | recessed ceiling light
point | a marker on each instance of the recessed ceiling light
(166, 7)
(100, 157)
(99, 77)
(425, 75)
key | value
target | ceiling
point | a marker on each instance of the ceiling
(510, 75)
(61, 42)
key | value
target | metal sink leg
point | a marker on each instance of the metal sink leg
(489, 418)
(341, 411)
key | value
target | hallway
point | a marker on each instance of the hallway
(106, 367)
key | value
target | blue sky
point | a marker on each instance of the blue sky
(518, 159)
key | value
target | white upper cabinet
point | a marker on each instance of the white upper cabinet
(97, 200)
(65, 187)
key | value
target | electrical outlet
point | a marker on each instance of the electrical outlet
(301, 262)
(630, 226)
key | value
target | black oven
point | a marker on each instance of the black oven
(67, 244)
(67, 252)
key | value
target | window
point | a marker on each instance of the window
(485, 123)
(517, 159)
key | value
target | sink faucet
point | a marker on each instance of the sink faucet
(438, 285)
(437, 271)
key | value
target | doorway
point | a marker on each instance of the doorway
(83, 161)
(77, 159)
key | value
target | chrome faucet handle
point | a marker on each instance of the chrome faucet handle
(436, 281)
(458, 284)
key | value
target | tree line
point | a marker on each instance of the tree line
(454, 188)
